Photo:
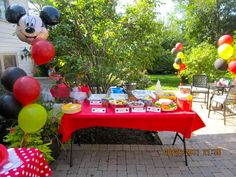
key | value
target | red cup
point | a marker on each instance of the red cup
(184, 104)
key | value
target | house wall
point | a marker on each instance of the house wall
(10, 44)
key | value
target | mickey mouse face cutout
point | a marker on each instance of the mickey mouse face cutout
(31, 27)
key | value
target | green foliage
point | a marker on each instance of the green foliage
(207, 20)
(200, 60)
(103, 47)
(51, 127)
(168, 82)
(16, 138)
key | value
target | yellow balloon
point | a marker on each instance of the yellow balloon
(180, 55)
(225, 51)
(176, 66)
(32, 118)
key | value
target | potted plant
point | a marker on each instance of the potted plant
(50, 131)
(136, 79)
(46, 140)
(16, 138)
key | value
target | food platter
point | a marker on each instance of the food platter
(118, 102)
(166, 105)
(169, 108)
(136, 104)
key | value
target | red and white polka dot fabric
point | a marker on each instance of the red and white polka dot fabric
(34, 164)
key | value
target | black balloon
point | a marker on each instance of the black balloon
(174, 51)
(221, 64)
(14, 12)
(9, 107)
(50, 15)
(178, 61)
(10, 75)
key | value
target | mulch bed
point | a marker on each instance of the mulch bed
(102, 135)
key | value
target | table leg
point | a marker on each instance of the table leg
(185, 151)
(71, 148)
(175, 139)
(75, 138)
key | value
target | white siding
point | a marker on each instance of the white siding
(10, 44)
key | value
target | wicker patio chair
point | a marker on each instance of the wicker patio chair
(200, 85)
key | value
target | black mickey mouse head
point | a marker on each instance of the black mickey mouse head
(31, 27)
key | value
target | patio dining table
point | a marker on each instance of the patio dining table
(183, 122)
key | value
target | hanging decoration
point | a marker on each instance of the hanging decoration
(178, 63)
(225, 52)
(25, 90)
(32, 29)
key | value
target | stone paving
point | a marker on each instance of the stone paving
(211, 153)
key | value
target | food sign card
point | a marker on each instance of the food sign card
(153, 109)
(141, 109)
(121, 110)
(95, 102)
(98, 110)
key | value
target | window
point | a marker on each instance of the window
(3, 6)
(7, 61)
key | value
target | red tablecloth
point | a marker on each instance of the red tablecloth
(32, 162)
(177, 121)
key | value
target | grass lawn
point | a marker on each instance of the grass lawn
(168, 82)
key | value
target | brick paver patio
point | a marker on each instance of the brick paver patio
(212, 153)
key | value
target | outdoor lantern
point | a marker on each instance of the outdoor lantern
(25, 53)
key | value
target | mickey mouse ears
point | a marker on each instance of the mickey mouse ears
(14, 12)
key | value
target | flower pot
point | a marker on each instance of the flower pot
(130, 86)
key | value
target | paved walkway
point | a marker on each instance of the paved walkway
(212, 153)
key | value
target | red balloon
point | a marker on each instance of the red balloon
(182, 66)
(179, 46)
(232, 66)
(26, 89)
(225, 39)
(42, 51)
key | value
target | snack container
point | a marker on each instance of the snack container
(118, 96)
(136, 104)
(118, 103)
(144, 94)
(96, 99)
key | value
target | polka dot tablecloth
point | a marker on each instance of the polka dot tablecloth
(31, 164)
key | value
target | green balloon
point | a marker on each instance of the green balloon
(32, 118)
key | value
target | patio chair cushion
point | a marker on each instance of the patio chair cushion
(226, 100)
(219, 98)
(199, 90)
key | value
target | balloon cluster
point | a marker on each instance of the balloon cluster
(33, 30)
(24, 90)
(178, 64)
(225, 52)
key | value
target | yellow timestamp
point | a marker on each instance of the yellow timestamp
(192, 152)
